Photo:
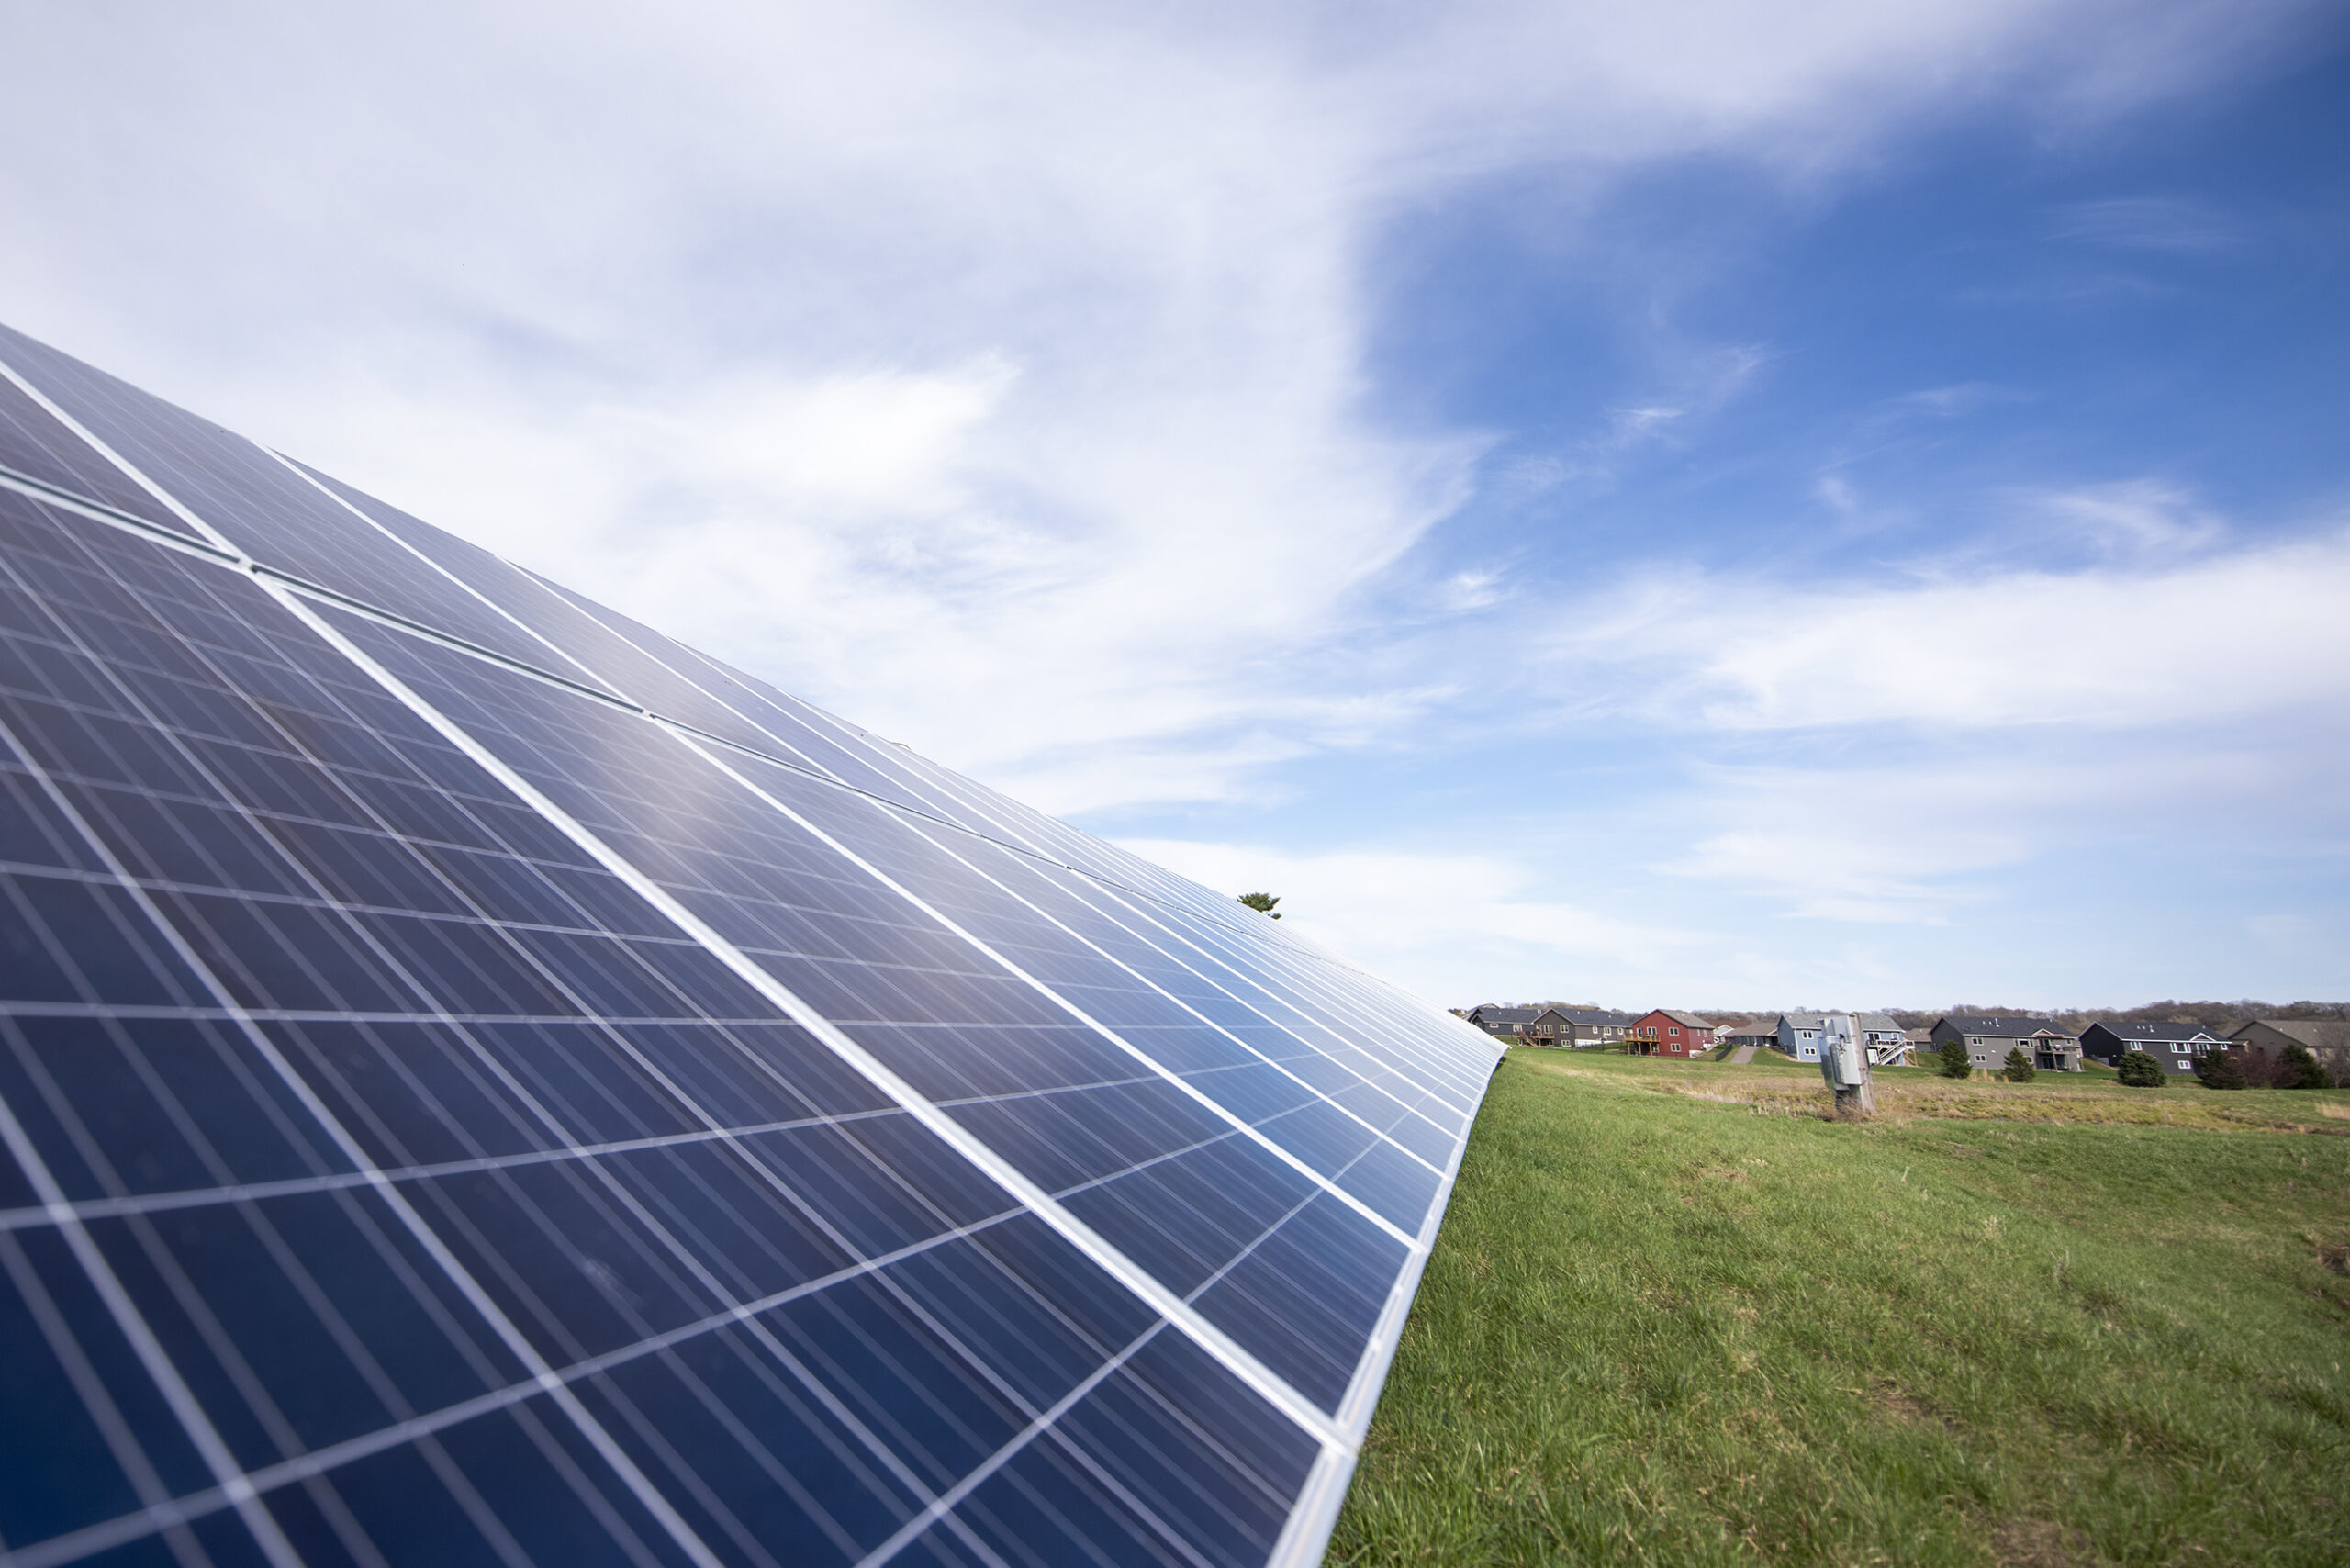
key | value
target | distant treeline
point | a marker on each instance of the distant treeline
(2209, 1014)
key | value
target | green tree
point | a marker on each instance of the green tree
(1953, 1058)
(2018, 1068)
(2220, 1069)
(2140, 1071)
(2298, 1068)
(1262, 902)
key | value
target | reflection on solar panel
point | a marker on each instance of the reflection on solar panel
(481, 1082)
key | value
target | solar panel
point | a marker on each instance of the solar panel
(482, 1083)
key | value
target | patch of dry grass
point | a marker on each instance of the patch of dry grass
(1903, 1094)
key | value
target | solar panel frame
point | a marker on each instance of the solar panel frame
(265, 948)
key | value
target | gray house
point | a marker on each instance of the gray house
(1498, 1020)
(1988, 1038)
(2328, 1039)
(1559, 1024)
(2176, 1045)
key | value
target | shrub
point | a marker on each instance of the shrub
(2018, 1068)
(2298, 1068)
(2139, 1070)
(2220, 1069)
(1952, 1059)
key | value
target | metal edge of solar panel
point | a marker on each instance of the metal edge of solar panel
(270, 742)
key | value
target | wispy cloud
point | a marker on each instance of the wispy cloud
(1006, 378)
(2172, 224)
(2229, 635)
(1415, 915)
(995, 374)
(2141, 520)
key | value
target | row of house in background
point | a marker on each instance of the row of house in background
(1668, 1032)
(1661, 1032)
(2177, 1046)
(1987, 1038)
(1552, 1022)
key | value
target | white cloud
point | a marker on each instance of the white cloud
(2142, 520)
(995, 374)
(1441, 921)
(2251, 633)
(1000, 376)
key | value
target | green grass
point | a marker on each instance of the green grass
(1668, 1329)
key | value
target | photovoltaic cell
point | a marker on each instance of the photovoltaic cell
(482, 1081)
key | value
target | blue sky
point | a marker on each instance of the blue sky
(1679, 503)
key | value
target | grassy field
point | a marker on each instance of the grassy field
(1676, 1317)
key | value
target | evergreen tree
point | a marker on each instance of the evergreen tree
(2140, 1071)
(2018, 1068)
(1952, 1055)
(2298, 1068)
(2220, 1069)
(1262, 902)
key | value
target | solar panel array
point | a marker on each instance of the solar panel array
(482, 1083)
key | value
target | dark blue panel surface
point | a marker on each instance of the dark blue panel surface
(1061, 1100)
(459, 1118)
(34, 444)
(260, 505)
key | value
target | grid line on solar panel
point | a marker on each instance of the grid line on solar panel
(31, 426)
(1059, 995)
(997, 867)
(1159, 1036)
(1230, 1354)
(1306, 1029)
(166, 1200)
(607, 748)
(1002, 835)
(472, 691)
(133, 1325)
(160, 1364)
(750, 753)
(315, 590)
(1099, 859)
(1286, 979)
(578, 634)
(980, 810)
(243, 499)
(744, 712)
(321, 1460)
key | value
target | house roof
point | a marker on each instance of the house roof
(2003, 1025)
(1589, 1015)
(2302, 1030)
(2162, 1032)
(1689, 1018)
(1507, 1015)
(1874, 1023)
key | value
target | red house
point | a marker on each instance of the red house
(1665, 1033)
